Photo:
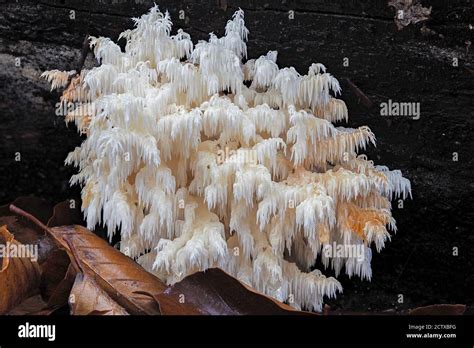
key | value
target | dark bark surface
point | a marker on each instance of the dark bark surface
(411, 65)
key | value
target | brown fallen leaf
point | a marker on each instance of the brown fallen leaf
(125, 281)
(33, 305)
(87, 298)
(214, 292)
(439, 309)
(60, 294)
(53, 272)
(53, 262)
(119, 276)
(19, 276)
(57, 275)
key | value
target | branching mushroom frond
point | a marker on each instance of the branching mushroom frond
(57, 78)
(199, 160)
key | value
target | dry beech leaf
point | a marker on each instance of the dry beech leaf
(54, 272)
(33, 305)
(439, 309)
(214, 292)
(29, 306)
(57, 275)
(19, 277)
(119, 276)
(53, 261)
(87, 298)
(60, 294)
(56, 283)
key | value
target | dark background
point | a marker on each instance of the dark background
(411, 65)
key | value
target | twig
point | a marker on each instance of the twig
(404, 266)
(365, 100)
(84, 53)
(13, 208)
(469, 70)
